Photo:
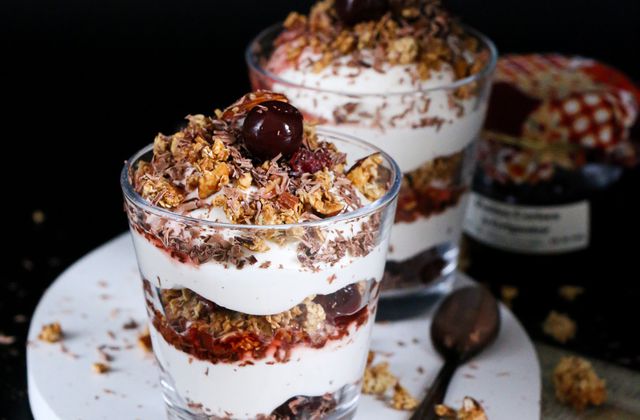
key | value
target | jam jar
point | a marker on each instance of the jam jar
(556, 180)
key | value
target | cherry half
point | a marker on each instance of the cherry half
(344, 302)
(307, 161)
(354, 11)
(273, 127)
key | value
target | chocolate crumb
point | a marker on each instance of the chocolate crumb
(265, 264)
(130, 325)
(144, 341)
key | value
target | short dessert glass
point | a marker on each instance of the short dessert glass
(431, 133)
(262, 322)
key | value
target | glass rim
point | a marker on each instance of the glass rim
(389, 196)
(486, 71)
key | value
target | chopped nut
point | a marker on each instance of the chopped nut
(470, 410)
(570, 293)
(245, 180)
(294, 19)
(144, 341)
(100, 368)
(288, 200)
(402, 399)
(344, 43)
(161, 144)
(365, 175)
(577, 384)
(161, 192)
(315, 316)
(211, 181)
(378, 379)
(403, 50)
(325, 203)
(559, 326)
(219, 150)
(51, 333)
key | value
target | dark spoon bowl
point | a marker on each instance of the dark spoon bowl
(466, 322)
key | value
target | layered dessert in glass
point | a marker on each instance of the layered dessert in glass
(408, 77)
(261, 243)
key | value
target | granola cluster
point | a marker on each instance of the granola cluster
(559, 326)
(51, 333)
(185, 306)
(416, 32)
(210, 332)
(470, 410)
(577, 384)
(206, 165)
(378, 380)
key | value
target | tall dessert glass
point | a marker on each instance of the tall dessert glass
(262, 321)
(431, 132)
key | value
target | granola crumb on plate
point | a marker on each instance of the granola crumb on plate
(51, 333)
(577, 384)
(559, 326)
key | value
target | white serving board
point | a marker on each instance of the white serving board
(102, 291)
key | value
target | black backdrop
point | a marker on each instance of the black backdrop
(87, 83)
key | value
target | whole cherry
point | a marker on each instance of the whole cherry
(354, 11)
(271, 128)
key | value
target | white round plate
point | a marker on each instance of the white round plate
(96, 296)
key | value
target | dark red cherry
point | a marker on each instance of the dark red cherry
(355, 11)
(345, 301)
(304, 160)
(273, 127)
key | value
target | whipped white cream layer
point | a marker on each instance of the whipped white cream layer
(254, 290)
(409, 239)
(413, 120)
(247, 391)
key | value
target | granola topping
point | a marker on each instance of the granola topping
(211, 170)
(206, 166)
(364, 34)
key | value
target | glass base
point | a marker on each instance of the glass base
(345, 400)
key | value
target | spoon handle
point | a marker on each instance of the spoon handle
(426, 409)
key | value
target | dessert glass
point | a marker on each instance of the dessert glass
(278, 334)
(431, 133)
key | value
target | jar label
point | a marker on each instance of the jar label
(528, 229)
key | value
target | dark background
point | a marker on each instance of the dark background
(87, 83)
